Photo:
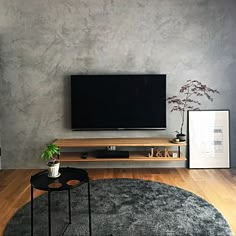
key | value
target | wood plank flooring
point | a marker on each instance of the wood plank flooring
(216, 186)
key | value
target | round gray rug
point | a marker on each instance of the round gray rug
(124, 207)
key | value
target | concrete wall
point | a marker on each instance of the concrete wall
(43, 42)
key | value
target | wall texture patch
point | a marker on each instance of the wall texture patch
(43, 42)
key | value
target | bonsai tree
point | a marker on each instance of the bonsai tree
(188, 98)
(50, 153)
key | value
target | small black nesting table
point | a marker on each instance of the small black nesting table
(69, 179)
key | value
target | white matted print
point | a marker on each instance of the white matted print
(208, 135)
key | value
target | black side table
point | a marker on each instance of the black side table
(69, 179)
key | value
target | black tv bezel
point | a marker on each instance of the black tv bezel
(117, 128)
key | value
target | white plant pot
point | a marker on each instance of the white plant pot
(53, 170)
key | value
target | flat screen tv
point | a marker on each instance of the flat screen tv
(110, 102)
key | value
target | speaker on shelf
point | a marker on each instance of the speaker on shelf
(111, 154)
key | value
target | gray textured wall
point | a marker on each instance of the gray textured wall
(43, 42)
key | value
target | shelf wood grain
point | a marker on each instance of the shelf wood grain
(134, 157)
(119, 142)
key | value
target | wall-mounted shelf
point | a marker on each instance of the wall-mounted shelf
(135, 156)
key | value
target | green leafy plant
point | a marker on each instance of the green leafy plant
(50, 153)
(188, 98)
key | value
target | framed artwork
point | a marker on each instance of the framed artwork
(208, 139)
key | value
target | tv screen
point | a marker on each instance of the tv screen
(103, 102)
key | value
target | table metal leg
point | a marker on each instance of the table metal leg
(90, 223)
(32, 209)
(49, 213)
(69, 204)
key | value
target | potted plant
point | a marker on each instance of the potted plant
(180, 136)
(50, 154)
(187, 100)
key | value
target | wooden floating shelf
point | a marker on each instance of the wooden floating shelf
(136, 156)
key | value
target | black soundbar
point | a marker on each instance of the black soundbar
(111, 154)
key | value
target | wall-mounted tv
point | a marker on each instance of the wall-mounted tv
(110, 102)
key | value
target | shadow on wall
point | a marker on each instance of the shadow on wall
(1, 60)
(1, 77)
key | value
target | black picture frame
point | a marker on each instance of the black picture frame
(209, 138)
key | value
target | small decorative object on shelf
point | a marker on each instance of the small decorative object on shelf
(158, 153)
(167, 153)
(177, 141)
(50, 154)
(174, 155)
(188, 101)
(150, 154)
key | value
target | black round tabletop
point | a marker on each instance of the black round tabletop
(69, 178)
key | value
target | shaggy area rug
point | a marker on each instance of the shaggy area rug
(124, 207)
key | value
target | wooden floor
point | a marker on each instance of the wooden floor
(216, 186)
